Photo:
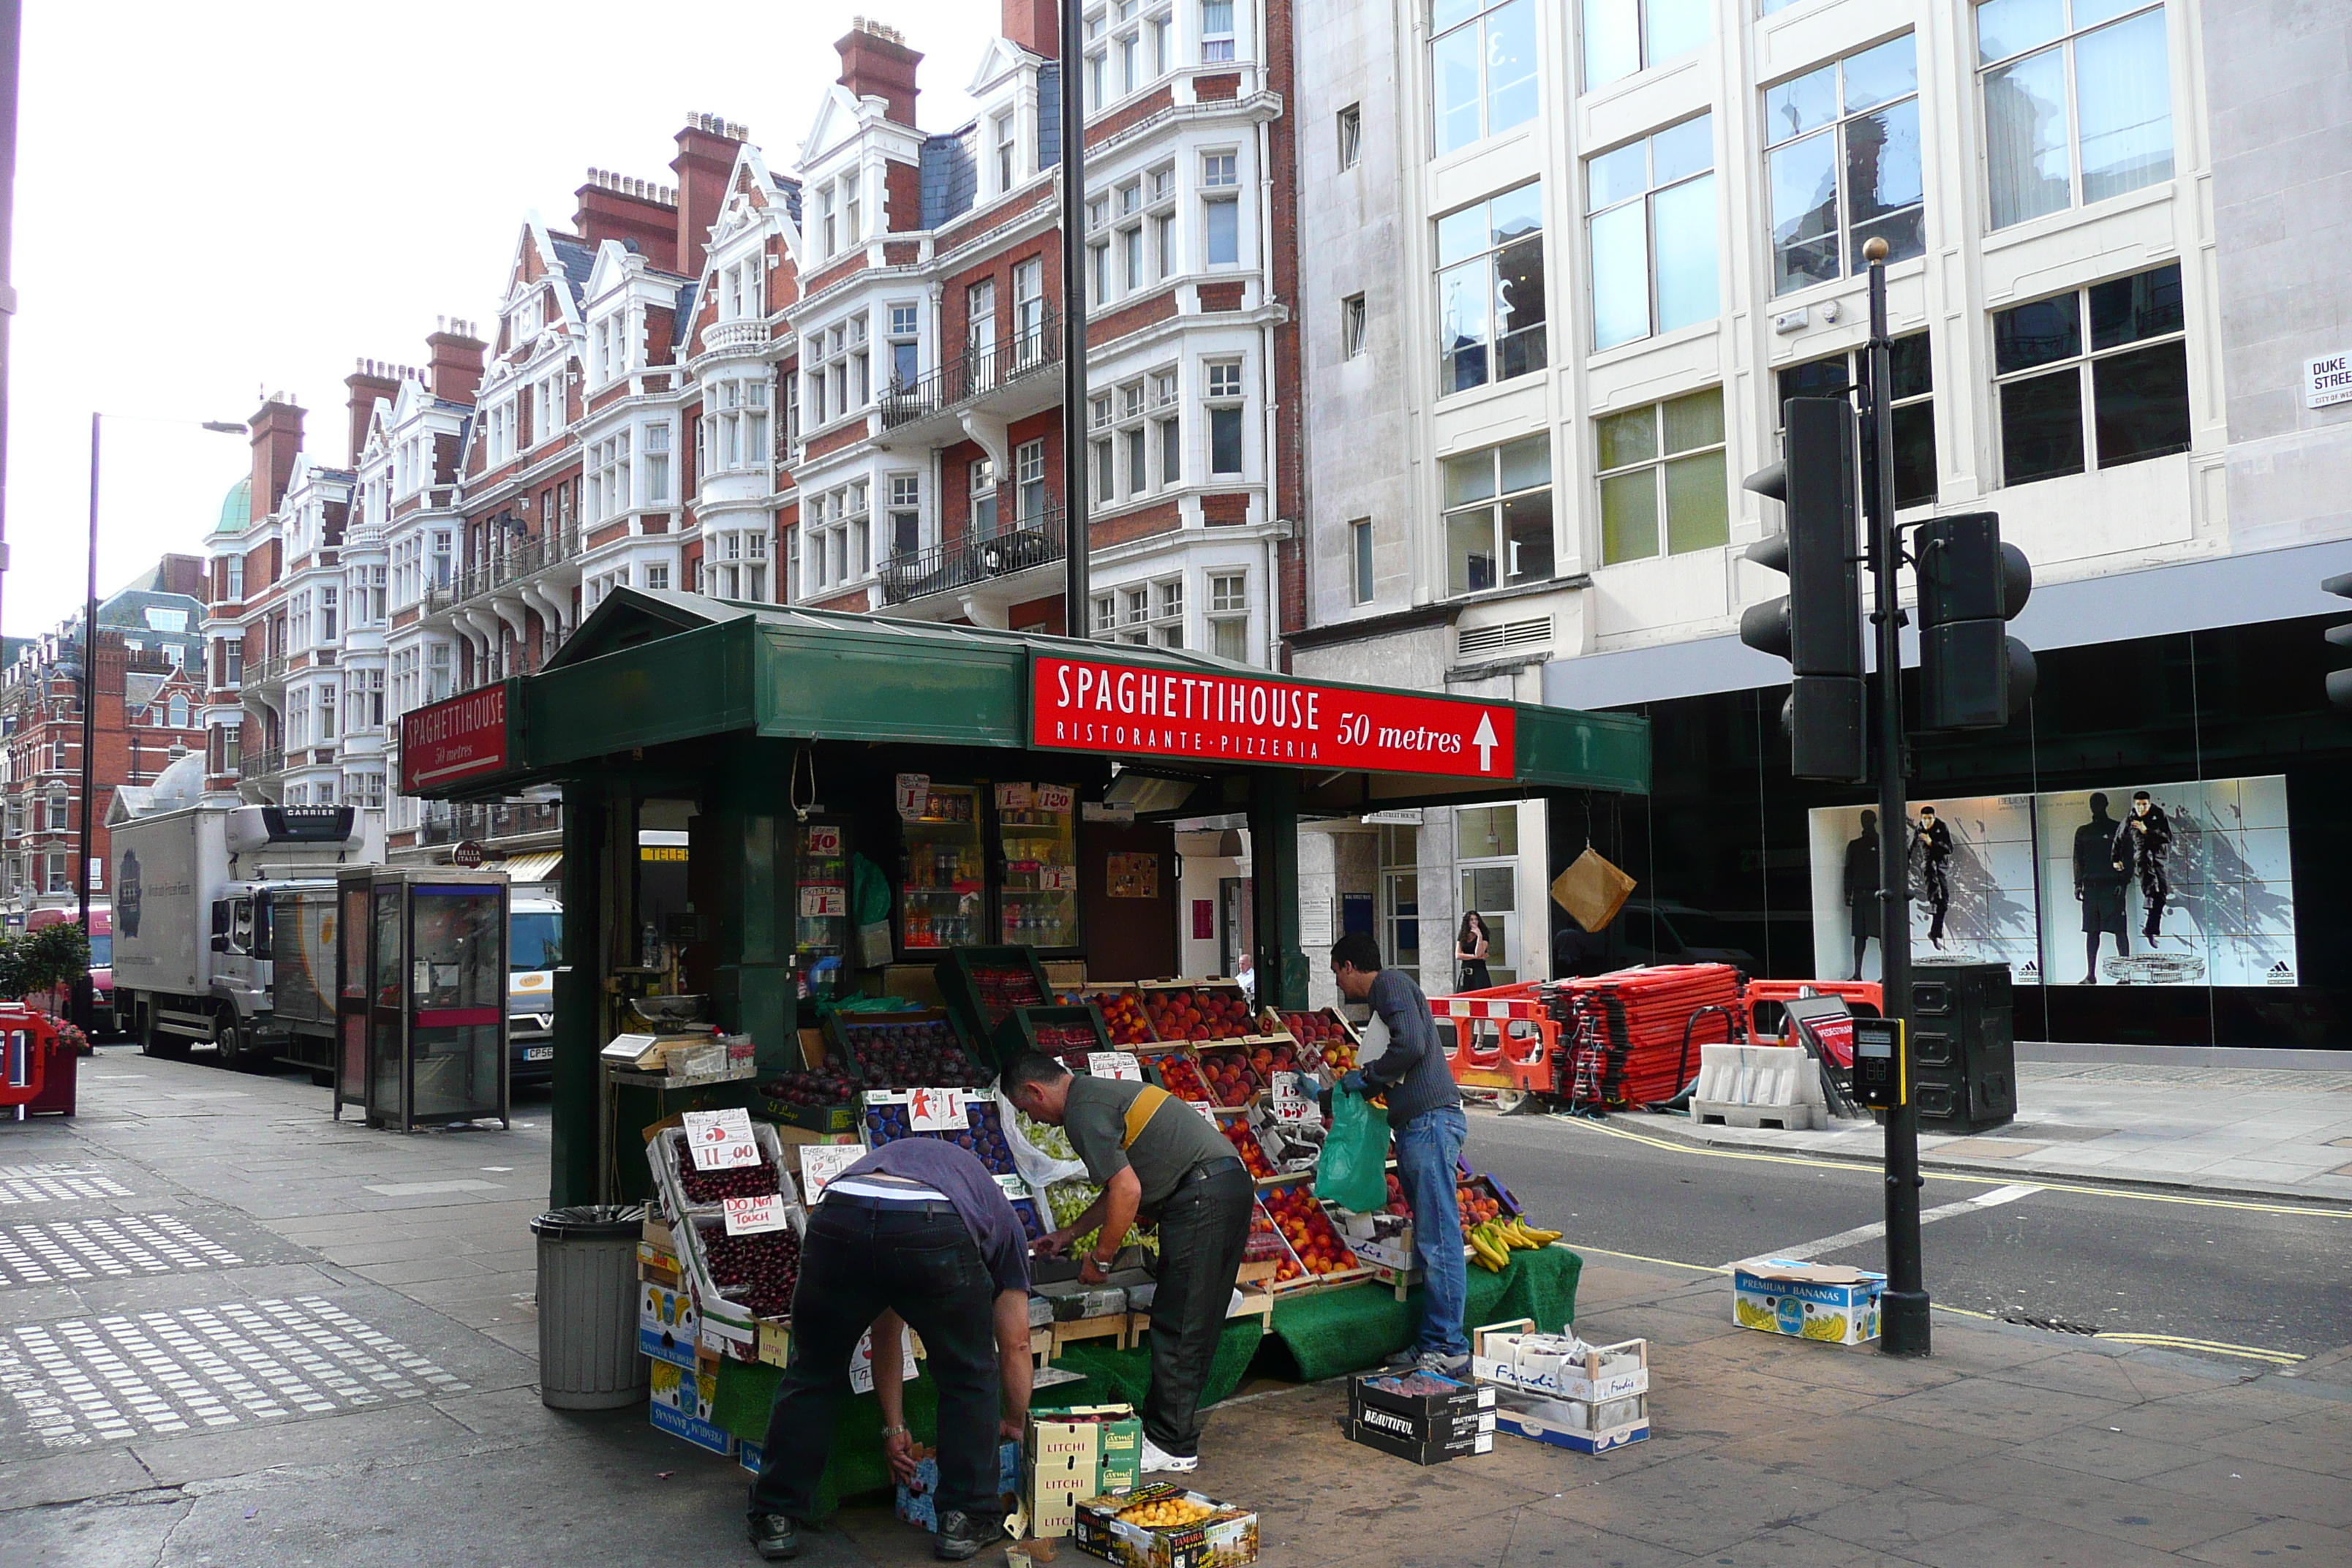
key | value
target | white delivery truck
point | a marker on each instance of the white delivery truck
(224, 927)
(534, 950)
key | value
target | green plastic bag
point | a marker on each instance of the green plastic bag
(1353, 1171)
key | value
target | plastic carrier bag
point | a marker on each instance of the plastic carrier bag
(1354, 1169)
(870, 899)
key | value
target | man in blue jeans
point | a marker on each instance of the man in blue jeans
(1426, 1114)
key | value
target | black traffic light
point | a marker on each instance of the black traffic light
(1972, 674)
(2339, 682)
(1817, 625)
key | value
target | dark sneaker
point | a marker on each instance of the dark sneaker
(1443, 1364)
(775, 1536)
(961, 1537)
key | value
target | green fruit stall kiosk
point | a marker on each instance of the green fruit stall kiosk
(740, 785)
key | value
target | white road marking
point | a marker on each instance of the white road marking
(1862, 1233)
(426, 1189)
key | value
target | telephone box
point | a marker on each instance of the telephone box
(421, 995)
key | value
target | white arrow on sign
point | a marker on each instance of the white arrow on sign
(1485, 742)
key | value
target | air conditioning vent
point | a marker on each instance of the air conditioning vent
(1533, 632)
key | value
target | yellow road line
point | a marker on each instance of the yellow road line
(1996, 1179)
(1641, 1257)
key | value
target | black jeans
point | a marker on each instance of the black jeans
(1202, 1228)
(854, 1261)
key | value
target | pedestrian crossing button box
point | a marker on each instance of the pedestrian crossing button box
(1880, 1070)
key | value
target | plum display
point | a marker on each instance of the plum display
(1414, 1384)
(984, 1135)
(1308, 1228)
(758, 1271)
(826, 1085)
(1208, 1013)
(1026, 1210)
(912, 1055)
(703, 1187)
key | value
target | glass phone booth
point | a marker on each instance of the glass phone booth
(421, 995)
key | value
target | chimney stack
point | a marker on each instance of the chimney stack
(876, 63)
(638, 213)
(1035, 25)
(706, 156)
(367, 383)
(456, 367)
(277, 436)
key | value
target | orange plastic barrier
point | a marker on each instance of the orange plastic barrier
(1771, 993)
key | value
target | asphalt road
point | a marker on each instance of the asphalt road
(2267, 1275)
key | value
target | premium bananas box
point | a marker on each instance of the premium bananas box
(667, 1325)
(1165, 1526)
(1828, 1303)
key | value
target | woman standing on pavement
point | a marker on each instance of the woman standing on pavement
(1470, 952)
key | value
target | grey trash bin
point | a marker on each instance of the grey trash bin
(588, 1356)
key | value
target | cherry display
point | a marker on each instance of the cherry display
(759, 1271)
(710, 1186)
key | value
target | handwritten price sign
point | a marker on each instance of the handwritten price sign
(1120, 1065)
(721, 1140)
(935, 1110)
(821, 1163)
(749, 1217)
(823, 839)
(1294, 1100)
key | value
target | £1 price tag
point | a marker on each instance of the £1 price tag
(935, 1110)
(1120, 1065)
(720, 1140)
(914, 792)
(1293, 1101)
(749, 1217)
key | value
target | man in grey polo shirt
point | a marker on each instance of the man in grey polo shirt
(1160, 1161)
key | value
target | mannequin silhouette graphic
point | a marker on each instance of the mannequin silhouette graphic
(2100, 877)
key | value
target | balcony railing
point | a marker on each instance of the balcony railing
(1032, 350)
(270, 671)
(1035, 541)
(728, 335)
(525, 557)
(493, 819)
(260, 764)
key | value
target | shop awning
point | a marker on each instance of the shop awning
(539, 867)
(648, 669)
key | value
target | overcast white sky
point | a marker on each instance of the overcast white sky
(213, 199)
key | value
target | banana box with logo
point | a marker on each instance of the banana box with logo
(1165, 1526)
(669, 1328)
(1829, 1302)
(681, 1406)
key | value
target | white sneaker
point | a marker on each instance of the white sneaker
(1155, 1459)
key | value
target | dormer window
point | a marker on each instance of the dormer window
(828, 236)
(1008, 152)
(852, 229)
(609, 346)
(740, 292)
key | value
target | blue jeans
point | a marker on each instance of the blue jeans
(1427, 1147)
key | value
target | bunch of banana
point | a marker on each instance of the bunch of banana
(1493, 1243)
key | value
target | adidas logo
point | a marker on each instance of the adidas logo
(2281, 968)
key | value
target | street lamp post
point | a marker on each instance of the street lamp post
(83, 997)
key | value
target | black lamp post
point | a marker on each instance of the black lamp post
(82, 997)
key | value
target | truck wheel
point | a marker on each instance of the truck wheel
(234, 1041)
(153, 1042)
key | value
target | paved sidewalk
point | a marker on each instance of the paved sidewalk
(330, 1333)
(2281, 1132)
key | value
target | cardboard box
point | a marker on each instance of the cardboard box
(1576, 1425)
(775, 1341)
(1513, 1355)
(702, 1434)
(1226, 1538)
(1073, 1301)
(1435, 1449)
(1828, 1303)
(657, 1266)
(919, 1499)
(1427, 1428)
(750, 1455)
(668, 1327)
(684, 1389)
(1071, 1460)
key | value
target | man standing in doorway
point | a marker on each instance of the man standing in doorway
(1160, 1160)
(1426, 1114)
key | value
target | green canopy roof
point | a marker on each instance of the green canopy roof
(647, 669)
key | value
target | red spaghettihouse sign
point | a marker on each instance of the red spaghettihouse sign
(1132, 710)
(454, 740)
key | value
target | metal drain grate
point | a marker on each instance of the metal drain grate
(2054, 1325)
